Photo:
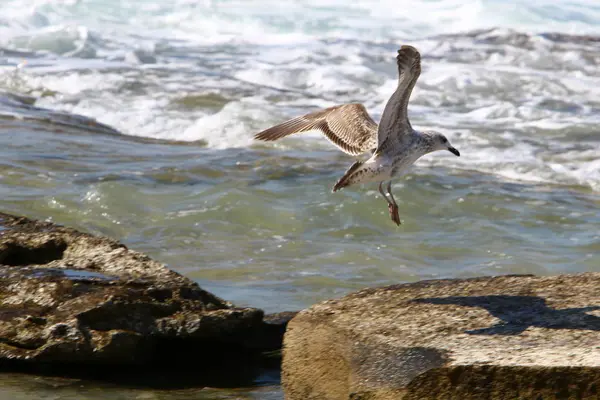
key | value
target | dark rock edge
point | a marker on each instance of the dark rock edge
(127, 319)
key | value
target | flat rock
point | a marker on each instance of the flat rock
(70, 298)
(508, 337)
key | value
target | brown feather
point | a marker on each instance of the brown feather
(344, 180)
(348, 126)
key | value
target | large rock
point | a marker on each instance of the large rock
(509, 337)
(69, 298)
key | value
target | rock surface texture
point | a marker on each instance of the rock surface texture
(509, 337)
(69, 298)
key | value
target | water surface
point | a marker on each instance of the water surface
(185, 84)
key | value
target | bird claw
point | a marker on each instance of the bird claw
(394, 213)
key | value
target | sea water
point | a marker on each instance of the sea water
(514, 85)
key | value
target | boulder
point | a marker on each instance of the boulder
(507, 337)
(70, 299)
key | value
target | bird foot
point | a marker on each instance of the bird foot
(394, 213)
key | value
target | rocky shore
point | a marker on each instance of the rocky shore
(78, 305)
(508, 337)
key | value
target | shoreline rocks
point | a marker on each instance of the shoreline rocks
(505, 337)
(84, 306)
(70, 300)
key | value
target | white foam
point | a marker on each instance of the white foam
(228, 128)
(500, 101)
(274, 22)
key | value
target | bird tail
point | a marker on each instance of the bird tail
(345, 180)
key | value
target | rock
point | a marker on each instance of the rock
(140, 56)
(68, 298)
(508, 337)
(270, 336)
(21, 107)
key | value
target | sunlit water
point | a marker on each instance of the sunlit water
(188, 83)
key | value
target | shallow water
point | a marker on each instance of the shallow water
(25, 387)
(188, 83)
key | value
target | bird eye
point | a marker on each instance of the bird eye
(444, 140)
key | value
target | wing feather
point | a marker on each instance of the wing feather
(347, 126)
(394, 119)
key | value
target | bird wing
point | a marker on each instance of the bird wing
(348, 126)
(394, 120)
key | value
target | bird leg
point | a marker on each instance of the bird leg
(392, 206)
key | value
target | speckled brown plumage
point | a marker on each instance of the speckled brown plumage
(348, 126)
(394, 144)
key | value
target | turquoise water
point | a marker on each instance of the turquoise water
(186, 84)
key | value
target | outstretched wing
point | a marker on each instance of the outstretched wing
(394, 120)
(348, 126)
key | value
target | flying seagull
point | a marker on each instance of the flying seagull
(394, 144)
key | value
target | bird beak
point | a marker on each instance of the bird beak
(454, 151)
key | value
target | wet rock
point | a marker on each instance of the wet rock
(504, 337)
(272, 331)
(69, 298)
(140, 56)
(22, 107)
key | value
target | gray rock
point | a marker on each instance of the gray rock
(69, 298)
(509, 337)
(140, 56)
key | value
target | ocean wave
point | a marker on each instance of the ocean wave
(268, 22)
(519, 99)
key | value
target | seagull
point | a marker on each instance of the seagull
(394, 145)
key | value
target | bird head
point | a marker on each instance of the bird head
(440, 142)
